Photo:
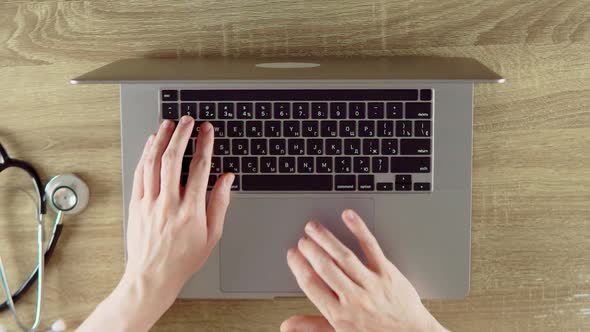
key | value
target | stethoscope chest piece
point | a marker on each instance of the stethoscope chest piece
(67, 193)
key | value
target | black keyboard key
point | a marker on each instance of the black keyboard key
(236, 184)
(403, 187)
(403, 128)
(394, 110)
(422, 186)
(305, 164)
(361, 164)
(268, 164)
(345, 182)
(324, 164)
(415, 146)
(169, 95)
(334, 146)
(231, 164)
(370, 146)
(216, 165)
(426, 94)
(189, 148)
(253, 128)
(300, 111)
(305, 182)
(206, 111)
(338, 110)
(189, 109)
(282, 110)
(239, 147)
(262, 110)
(385, 128)
(410, 165)
(403, 178)
(235, 129)
(183, 179)
(356, 110)
(196, 128)
(226, 111)
(287, 165)
(272, 129)
(211, 182)
(170, 111)
(319, 110)
(221, 147)
(384, 186)
(186, 164)
(422, 128)
(218, 128)
(244, 111)
(366, 182)
(277, 146)
(376, 110)
(329, 128)
(296, 146)
(418, 110)
(250, 165)
(291, 128)
(352, 146)
(315, 147)
(380, 164)
(258, 147)
(310, 128)
(366, 128)
(343, 164)
(389, 146)
(347, 128)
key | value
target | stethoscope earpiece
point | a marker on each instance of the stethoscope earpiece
(67, 193)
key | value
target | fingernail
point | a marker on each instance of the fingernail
(166, 124)
(206, 127)
(311, 226)
(186, 119)
(290, 252)
(229, 180)
(350, 215)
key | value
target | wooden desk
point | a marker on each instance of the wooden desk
(531, 178)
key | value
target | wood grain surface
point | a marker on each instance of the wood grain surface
(531, 176)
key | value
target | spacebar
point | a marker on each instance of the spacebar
(287, 182)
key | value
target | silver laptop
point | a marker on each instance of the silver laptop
(307, 138)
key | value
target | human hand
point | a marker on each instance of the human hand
(171, 231)
(350, 295)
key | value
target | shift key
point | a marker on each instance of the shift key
(410, 165)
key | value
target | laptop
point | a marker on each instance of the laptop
(390, 137)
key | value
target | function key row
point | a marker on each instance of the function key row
(295, 110)
(298, 95)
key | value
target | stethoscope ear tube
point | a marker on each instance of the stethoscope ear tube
(33, 275)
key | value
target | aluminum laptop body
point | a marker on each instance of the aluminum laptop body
(426, 234)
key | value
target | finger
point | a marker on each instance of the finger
(346, 260)
(152, 163)
(137, 191)
(196, 185)
(217, 207)
(325, 267)
(375, 257)
(311, 284)
(306, 324)
(172, 157)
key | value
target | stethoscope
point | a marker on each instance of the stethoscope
(67, 194)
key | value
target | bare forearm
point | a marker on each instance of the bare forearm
(132, 306)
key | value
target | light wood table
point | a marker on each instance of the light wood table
(531, 177)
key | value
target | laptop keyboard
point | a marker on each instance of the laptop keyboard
(313, 140)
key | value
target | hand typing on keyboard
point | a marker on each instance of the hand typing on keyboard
(350, 295)
(170, 232)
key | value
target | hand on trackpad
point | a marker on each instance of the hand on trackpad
(258, 233)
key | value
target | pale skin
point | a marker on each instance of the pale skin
(173, 229)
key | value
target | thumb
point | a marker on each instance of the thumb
(306, 324)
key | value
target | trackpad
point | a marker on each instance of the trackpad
(258, 232)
